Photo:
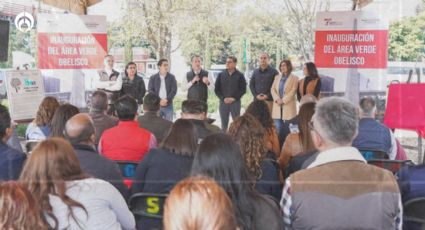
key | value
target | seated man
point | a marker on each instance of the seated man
(372, 134)
(98, 109)
(151, 120)
(126, 141)
(11, 160)
(339, 190)
(80, 132)
(195, 111)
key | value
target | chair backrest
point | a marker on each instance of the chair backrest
(414, 212)
(150, 205)
(128, 169)
(372, 154)
(392, 165)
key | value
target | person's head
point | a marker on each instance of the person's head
(151, 103)
(310, 70)
(334, 123)
(196, 62)
(126, 108)
(79, 129)
(109, 61)
(304, 117)
(198, 203)
(18, 208)
(5, 124)
(194, 109)
(264, 60)
(261, 112)
(219, 157)
(51, 164)
(99, 102)
(163, 66)
(249, 134)
(45, 111)
(307, 98)
(367, 107)
(130, 69)
(231, 62)
(181, 139)
(62, 115)
(285, 67)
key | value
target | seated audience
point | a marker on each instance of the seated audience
(298, 162)
(126, 141)
(194, 111)
(68, 198)
(260, 111)
(372, 134)
(219, 157)
(151, 120)
(98, 113)
(299, 142)
(80, 132)
(199, 203)
(62, 115)
(40, 127)
(249, 134)
(339, 190)
(11, 160)
(18, 208)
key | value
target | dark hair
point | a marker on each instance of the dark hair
(367, 104)
(194, 107)
(261, 112)
(181, 139)
(234, 59)
(220, 158)
(311, 69)
(99, 101)
(288, 64)
(45, 111)
(162, 60)
(196, 56)
(108, 55)
(151, 102)
(126, 108)
(305, 114)
(126, 67)
(5, 120)
(62, 115)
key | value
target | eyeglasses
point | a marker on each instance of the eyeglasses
(311, 125)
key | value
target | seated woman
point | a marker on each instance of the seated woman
(194, 199)
(298, 143)
(260, 111)
(68, 198)
(39, 128)
(248, 133)
(220, 158)
(163, 167)
(18, 208)
(62, 115)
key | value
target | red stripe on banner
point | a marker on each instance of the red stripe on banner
(364, 49)
(71, 50)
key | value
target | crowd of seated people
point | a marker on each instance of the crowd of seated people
(212, 180)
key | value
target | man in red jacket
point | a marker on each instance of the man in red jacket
(126, 141)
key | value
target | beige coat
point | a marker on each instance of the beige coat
(289, 99)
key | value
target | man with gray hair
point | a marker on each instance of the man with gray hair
(101, 121)
(372, 134)
(339, 190)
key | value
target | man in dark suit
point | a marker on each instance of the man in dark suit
(80, 132)
(11, 160)
(151, 119)
(101, 121)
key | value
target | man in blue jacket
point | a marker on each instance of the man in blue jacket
(164, 85)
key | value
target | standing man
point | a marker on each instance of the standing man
(198, 81)
(164, 85)
(230, 86)
(262, 80)
(110, 81)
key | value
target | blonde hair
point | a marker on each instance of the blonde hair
(198, 203)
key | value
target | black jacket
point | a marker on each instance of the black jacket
(230, 86)
(261, 82)
(11, 162)
(170, 85)
(135, 88)
(199, 90)
(154, 124)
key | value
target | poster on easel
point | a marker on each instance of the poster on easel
(25, 91)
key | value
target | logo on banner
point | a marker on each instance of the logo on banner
(24, 21)
(330, 22)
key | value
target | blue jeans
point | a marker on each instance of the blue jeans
(167, 112)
